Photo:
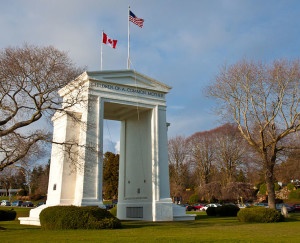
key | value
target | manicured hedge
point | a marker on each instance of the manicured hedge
(211, 211)
(259, 215)
(7, 215)
(72, 217)
(224, 211)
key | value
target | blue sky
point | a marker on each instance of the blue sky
(183, 43)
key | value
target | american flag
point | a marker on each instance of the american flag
(139, 22)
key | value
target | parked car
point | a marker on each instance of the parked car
(261, 205)
(243, 205)
(198, 207)
(17, 203)
(27, 204)
(188, 207)
(211, 205)
(40, 203)
(195, 207)
(296, 207)
(5, 203)
(288, 207)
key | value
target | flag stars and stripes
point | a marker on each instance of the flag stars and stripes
(138, 21)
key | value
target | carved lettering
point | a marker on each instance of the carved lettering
(118, 88)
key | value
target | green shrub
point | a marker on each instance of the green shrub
(223, 211)
(72, 217)
(263, 189)
(211, 211)
(295, 194)
(7, 215)
(227, 210)
(259, 215)
(290, 186)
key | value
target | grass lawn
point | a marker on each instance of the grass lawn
(204, 229)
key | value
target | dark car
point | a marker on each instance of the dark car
(40, 203)
(27, 204)
(17, 203)
(261, 205)
(189, 207)
(296, 207)
(288, 207)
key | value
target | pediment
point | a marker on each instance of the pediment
(127, 78)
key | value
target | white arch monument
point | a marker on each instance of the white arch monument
(139, 103)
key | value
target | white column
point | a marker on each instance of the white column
(62, 176)
(164, 183)
(88, 190)
(162, 203)
(100, 124)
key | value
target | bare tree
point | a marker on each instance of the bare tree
(30, 78)
(230, 153)
(202, 152)
(7, 178)
(211, 192)
(177, 148)
(289, 169)
(238, 191)
(264, 102)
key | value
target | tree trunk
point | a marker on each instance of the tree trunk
(269, 162)
(269, 176)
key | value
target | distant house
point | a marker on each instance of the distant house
(3, 192)
(296, 183)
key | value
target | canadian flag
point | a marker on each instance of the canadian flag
(109, 41)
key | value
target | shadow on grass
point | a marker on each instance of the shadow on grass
(15, 225)
(293, 217)
(200, 221)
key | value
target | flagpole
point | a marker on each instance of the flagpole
(101, 51)
(128, 57)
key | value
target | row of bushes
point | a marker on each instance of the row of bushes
(7, 215)
(72, 217)
(34, 197)
(251, 214)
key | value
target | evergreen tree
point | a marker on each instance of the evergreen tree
(110, 175)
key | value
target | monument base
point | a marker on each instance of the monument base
(164, 212)
(146, 211)
(179, 214)
(34, 216)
